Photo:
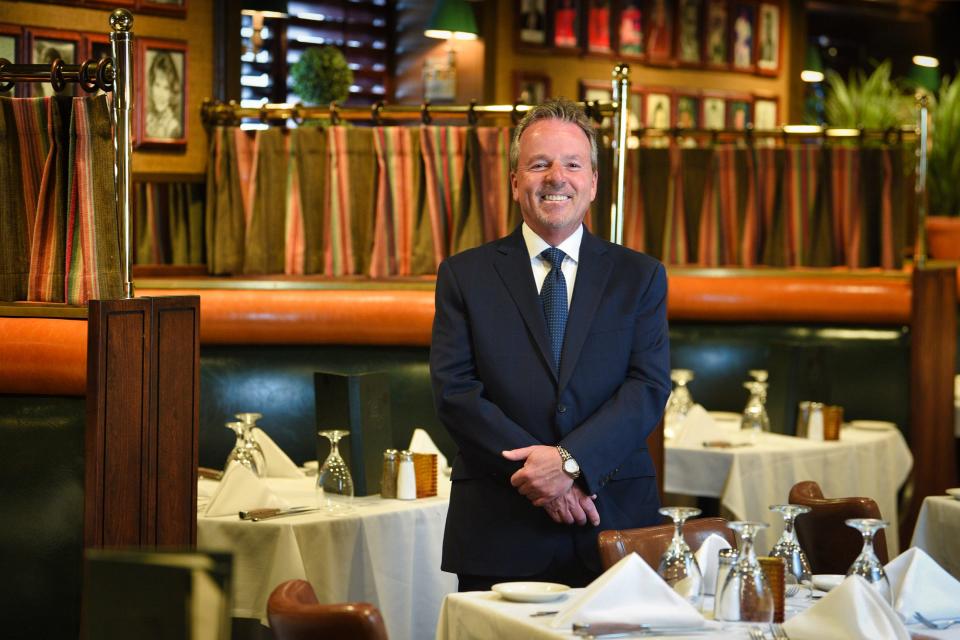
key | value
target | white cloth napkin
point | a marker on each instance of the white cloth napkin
(241, 490)
(421, 442)
(629, 592)
(920, 584)
(708, 560)
(279, 464)
(698, 426)
(852, 611)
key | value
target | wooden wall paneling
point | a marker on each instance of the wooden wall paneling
(932, 352)
(176, 409)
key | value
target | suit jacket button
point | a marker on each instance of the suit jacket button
(561, 408)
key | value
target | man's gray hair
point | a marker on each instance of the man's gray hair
(555, 109)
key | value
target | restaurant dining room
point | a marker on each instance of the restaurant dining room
(479, 319)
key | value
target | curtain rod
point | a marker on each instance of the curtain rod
(91, 75)
(215, 112)
(785, 131)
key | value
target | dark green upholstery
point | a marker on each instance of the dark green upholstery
(41, 531)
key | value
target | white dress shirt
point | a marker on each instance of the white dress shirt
(570, 246)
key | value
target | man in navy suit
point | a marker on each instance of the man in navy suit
(550, 367)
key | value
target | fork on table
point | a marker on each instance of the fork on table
(756, 633)
(934, 624)
(777, 632)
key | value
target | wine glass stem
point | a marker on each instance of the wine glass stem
(868, 542)
(788, 531)
(677, 526)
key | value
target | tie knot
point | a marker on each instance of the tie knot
(554, 256)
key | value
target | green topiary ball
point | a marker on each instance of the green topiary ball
(321, 75)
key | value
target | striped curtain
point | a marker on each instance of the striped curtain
(444, 156)
(306, 193)
(60, 240)
(264, 241)
(634, 220)
(845, 203)
(168, 223)
(675, 217)
(719, 234)
(398, 179)
(225, 216)
(492, 159)
(351, 198)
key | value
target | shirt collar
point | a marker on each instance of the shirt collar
(536, 244)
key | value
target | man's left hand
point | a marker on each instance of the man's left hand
(542, 478)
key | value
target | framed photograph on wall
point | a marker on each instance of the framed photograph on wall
(743, 35)
(599, 90)
(11, 39)
(687, 114)
(714, 112)
(765, 113)
(690, 32)
(716, 48)
(530, 87)
(566, 24)
(167, 7)
(162, 69)
(660, 20)
(768, 39)
(43, 47)
(658, 109)
(532, 22)
(600, 26)
(739, 112)
(630, 41)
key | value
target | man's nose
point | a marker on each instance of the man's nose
(555, 175)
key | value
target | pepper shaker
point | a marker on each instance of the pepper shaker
(406, 477)
(388, 479)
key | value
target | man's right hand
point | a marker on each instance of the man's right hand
(573, 506)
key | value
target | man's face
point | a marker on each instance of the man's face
(554, 182)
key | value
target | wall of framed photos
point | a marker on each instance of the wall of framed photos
(711, 63)
(174, 39)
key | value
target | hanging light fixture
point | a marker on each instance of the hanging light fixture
(452, 19)
(813, 69)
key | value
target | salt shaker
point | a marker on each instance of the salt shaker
(726, 559)
(388, 479)
(406, 478)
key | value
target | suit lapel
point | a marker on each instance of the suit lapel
(513, 266)
(593, 271)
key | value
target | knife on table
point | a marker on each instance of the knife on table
(256, 515)
(623, 630)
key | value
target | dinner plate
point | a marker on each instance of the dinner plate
(827, 581)
(530, 591)
(872, 425)
(954, 492)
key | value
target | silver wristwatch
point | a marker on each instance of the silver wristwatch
(570, 466)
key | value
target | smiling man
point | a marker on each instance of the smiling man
(550, 367)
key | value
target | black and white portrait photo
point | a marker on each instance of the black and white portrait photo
(163, 79)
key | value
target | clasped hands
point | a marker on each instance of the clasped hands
(544, 483)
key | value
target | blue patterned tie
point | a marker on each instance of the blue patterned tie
(553, 295)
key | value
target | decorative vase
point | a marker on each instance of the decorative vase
(943, 237)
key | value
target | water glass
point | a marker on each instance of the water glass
(334, 483)
(788, 547)
(679, 403)
(678, 566)
(746, 595)
(867, 565)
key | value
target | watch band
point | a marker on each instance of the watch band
(564, 456)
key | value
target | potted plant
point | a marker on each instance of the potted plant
(943, 175)
(872, 102)
(321, 75)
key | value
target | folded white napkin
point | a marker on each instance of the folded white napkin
(708, 560)
(698, 426)
(630, 592)
(920, 584)
(854, 610)
(241, 490)
(279, 464)
(421, 442)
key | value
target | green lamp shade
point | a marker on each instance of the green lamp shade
(925, 77)
(813, 67)
(452, 19)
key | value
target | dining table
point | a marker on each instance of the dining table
(382, 551)
(872, 460)
(938, 531)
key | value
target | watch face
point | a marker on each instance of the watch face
(571, 466)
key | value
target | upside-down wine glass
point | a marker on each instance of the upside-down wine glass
(788, 548)
(334, 483)
(867, 565)
(755, 419)
(678, 566)
(246, 450)
(680, 401)
(746, 594)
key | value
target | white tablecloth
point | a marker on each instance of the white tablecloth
(386, 552)
(938, 532)
(750, 479)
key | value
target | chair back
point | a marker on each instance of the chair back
(651, 542)
(831, 546)
(295, 614)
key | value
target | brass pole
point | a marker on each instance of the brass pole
(121, 41)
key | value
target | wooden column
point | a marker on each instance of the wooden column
(933, 348)
(143, 388)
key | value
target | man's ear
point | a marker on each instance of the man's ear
(513, 185)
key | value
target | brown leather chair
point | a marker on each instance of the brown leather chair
(295, 614)
(831, 546)
(651, 542)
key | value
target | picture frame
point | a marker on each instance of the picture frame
(162, 79)
(635, 106)
(591, 90)
(11, 48)
(532, 23)
(739, 112)
(631, 43)
(658, 108)
(175, 8)
(714, 115)
(687, 110)
(600, 27)
(566, 24)
(716, 45)
(743, 28)
(43, 47)
(689, 45)
(768, 38)
(530, 87)
(660, 23)
(766, 112)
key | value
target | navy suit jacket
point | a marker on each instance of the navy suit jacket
(496, 388)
